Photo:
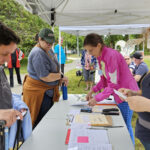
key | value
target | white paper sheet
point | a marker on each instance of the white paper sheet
(92, 147)
(98, 139)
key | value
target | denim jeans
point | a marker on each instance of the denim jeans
(127, 116)
(146, 144)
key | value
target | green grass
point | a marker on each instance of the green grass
(73, 83)
(147, 61)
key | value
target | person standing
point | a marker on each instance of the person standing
(14, 62)
(141, 67)
(41, 86)
(88, 63)
(114, 73)
(63, 56)
(140, 102)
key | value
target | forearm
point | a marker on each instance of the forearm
(51, 77)
(137, 78)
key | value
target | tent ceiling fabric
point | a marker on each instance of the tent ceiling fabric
(92, 12)
(106, 29)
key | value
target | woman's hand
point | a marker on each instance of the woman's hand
(92, 102)
(89, 95)
(64, 80)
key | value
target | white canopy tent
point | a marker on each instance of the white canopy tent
(93, 13)
(106, 29)
(90, 12)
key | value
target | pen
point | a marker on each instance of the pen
(104, 128)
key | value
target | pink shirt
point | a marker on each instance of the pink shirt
(116, 75)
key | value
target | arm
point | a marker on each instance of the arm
(43, 70)
(139, 73)
(100, 85)
(51, 77)
(137, 78)
(139, 103)
(128, 92)
(83, 58)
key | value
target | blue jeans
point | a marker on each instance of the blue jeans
(127, 116)
(146, 144)
(47, 103)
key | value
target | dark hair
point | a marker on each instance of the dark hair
(93, 39)
(37, 37)
(7, 35)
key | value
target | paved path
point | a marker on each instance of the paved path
(18, 88)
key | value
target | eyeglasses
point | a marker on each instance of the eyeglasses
(48, 43)
(127, 58)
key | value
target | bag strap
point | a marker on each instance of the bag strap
(2, 134)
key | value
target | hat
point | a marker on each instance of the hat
(137, 55)
(47, 35)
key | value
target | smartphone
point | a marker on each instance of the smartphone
(88, 110)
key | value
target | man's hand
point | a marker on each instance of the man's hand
(92, 102)
(10, 116)
(127, 92)
(139, 103)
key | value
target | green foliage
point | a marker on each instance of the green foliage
(22, 22)
(110, 40)
(24, 61)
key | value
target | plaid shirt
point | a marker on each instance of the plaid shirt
(93, 60)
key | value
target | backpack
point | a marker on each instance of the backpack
(78, 73)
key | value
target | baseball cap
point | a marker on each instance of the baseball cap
(137, 55)
(47, 35)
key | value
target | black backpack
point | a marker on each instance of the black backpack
(78, 73)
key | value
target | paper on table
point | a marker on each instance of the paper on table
(93, 147)
(105, 101)
(74, 111)
(96, 138)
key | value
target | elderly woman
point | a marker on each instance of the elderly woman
(114, 75)
(41, 86)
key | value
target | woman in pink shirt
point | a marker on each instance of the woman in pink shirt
(114, 73)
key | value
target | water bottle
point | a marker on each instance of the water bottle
(64, 92)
